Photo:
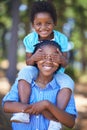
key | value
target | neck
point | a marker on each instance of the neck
(48, 38)
(43, 81)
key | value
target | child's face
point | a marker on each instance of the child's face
(43, 25)
(46, 66)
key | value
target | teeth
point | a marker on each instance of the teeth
(47, 67)
(43, 32)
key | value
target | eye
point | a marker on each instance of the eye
(49, 23)
(37, 24)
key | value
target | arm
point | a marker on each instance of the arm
(56, 113)
(29, 59)
(63, 117)
(48, 115)
(64, 59)
(37, 108)
(13, 107)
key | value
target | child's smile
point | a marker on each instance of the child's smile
(43, 25)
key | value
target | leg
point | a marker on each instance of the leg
(66, 86)
(24, 94)
(24, 91)
(25, 77)
(63, 98)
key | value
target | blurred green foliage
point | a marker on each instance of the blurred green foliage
(75, 9)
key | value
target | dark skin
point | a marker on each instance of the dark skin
(44, 25)
(31, 59)
(60, 58)
(44, 107)
(64, 93)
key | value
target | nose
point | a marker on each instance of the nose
(48, 57)
(43, 26)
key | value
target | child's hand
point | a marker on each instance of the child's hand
(36, 108)
(38, 55)
(57, 57)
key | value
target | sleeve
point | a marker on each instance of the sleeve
(12, 95)
(29, 41)
(64, 81)
(62, 40)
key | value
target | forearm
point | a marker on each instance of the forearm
(13, 107)
(65, 63)
(48, 115)
(61, 116)
(30, 60)
(65, 59)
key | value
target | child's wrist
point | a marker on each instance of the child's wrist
(24, 108)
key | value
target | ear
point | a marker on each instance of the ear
(32, 25)
(55, 24)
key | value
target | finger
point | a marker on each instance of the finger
(36, 113)
(40, 50)
(59, 51)
(29, 111)
(29, 107)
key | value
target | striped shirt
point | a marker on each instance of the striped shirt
(39, 122)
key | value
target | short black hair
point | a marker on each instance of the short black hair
(46, 42)
(43, 6)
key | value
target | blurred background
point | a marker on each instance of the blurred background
(15, 24)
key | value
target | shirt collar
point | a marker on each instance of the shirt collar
(52, 84)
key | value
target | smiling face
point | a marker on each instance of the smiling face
(46, 66)
(43, 25)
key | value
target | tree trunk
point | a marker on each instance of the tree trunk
(12, 49)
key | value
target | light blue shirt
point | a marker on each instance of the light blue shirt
(30, 72)
(39, 122)
(31, 39)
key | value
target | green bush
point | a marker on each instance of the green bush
(71, 72)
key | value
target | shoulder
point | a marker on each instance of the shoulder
(31, 36)
(59, 34)
(65, 80)
(29, 41)
(64, 76)
(62, 40)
